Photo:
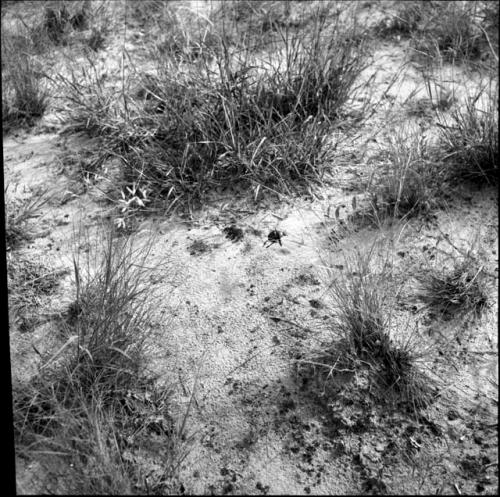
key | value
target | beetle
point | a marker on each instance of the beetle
(273, 237)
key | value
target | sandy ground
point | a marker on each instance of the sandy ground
(258, 429)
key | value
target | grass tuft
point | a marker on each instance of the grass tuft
(450, 31)
(459, 291)
(407, 181)
(370, 342)
(470, 141)
(87, 400)
(19, 211)
(28, 282)
(228, 118)
(403, 22)
(24, 92)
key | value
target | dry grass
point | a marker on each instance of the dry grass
(457, 290)
(30, 36)
(19, 212)
(369, 341)
(87, 400)
(24, 92)
(452, 31)
(457, 32)
(28, 282)
(469, 141)
(407, 182)
(226, 118)
(404, 21)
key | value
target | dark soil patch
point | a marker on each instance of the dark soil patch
(198, 247)
(233, 233)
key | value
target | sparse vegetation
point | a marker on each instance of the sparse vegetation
(19, 211)
(24, 92)
(405, 21)
(469, 140)
(86, 401)
(369, 340)
(449, 30)
(28, 282)
(457, 291)
(26, 44)
(407, 181)
(212, 110)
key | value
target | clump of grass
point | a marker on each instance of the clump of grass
(404, 21)
(19, 211)
(360, 311)
(261, 123)
(459, 291)
(256, 24)
(24, 92)
(86, 402)
(92, 106)
(369, 340)
(457, 32)
(28, 281)
(407, 182)
(469, 142)
(450, 31)
(59, 23)
(56, 22)
(185, 37)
